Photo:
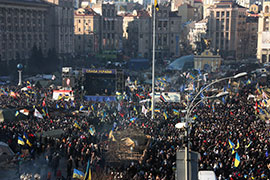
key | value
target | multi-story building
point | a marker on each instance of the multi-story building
(263, 48)
(23, 24)
(167, 32)
(187, 12)
(130, 34)
(251, 37)
(138, 33)
(227, 29)
(87, 31)
(62, 26)
(198, 4)
(197, 33)
(47, 24)
(144, 34)
(111, 26)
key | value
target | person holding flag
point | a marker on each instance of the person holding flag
(87, 175)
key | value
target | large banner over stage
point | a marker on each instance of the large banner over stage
(98, 71)
(266, 39)
(100, 98)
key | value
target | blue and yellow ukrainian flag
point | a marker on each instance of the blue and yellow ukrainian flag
(191, 76)
(87, 175)
(233, 151)
(231, 144)
(213, 108)
(27, 139)
(157, 7)
(249, 144)
(237, 160)
(133, 119)
(92, 107)
(28, 142)
(91, 131)
(176, 112)
(165, 115)
(77, 174)
(20, 141)
(135, 110)
(17, 113)
(238, 144)
(76, 124)
(195, 117)
(81, 107)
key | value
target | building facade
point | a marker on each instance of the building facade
(130, 35)
(251, 37)
(263, 45)
(23, 25)
(62, 27)
(167, 33)
(46, 24)
(227, 29)
(144, 34)
(87, 31)
(111, 26)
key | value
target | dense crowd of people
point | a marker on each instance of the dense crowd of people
(217, 123)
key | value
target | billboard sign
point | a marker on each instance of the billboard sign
(99, 71)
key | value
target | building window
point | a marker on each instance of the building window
(113, 25)
(217, 14)
(165, 39)
(227, 14)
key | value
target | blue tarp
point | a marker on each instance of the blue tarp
(138, 64)
(100, 98)
(179, 63)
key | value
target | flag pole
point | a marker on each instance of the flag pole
(153, 62)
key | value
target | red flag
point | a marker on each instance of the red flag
(257, 107)
(43, 103)
(121, 114)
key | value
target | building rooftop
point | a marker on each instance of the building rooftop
(219, 4)
(198, 1)
(86, 12)
(26, 1)
(143, 13)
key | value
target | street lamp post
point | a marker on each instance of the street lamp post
(190, 109)
(20, 68)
